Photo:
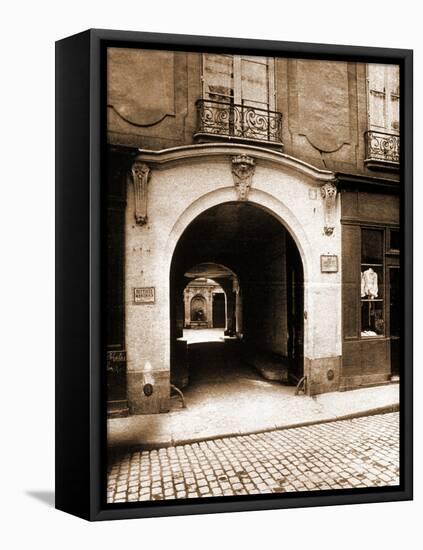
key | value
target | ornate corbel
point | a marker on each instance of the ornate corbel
(243, 168)
(329, 192)
(140, 176)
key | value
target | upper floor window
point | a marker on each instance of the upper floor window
(383, 114)
(239, 98)
(383, 88)
(245, 80)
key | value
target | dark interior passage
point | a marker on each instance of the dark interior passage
(219, 311)
(217, 362)
(250, 254)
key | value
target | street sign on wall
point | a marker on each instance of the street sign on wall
(145, 295)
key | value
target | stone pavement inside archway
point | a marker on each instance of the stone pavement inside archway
(228, 397)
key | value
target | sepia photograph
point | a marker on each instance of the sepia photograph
(253, 289)
(217, 225)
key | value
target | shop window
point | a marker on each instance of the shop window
(394, 240)
(372, 283)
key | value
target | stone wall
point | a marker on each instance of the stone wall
(182, 185)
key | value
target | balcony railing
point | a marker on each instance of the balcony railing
(382, 148)
(224, 119)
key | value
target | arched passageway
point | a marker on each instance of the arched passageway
(291, 307)
(251, 255)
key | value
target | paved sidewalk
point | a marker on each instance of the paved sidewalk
(249, 406)
(362, 452)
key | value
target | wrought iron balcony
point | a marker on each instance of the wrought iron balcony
(228, 120)
(382, 148)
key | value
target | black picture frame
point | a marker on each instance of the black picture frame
(80, 384)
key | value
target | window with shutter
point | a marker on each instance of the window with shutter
(383, 82)
(256, 87)
(383, 113)
(218, 80)
(239, 97)
(248, 80)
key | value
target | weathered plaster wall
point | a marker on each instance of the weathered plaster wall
(151, 97)
(152, 104)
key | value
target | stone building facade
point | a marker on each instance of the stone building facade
(283, 175)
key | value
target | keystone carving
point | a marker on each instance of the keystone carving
(140, 176)
(329, 192)
(243, 168)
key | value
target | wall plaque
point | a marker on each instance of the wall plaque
(329, 263)
(145, 295)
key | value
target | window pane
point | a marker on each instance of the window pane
(377, 96)
(372, 282)
(394, 240)
(393, 89)
(372, 323)
(372, 246)
(395, 301)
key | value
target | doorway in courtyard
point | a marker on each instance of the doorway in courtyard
(236, 302)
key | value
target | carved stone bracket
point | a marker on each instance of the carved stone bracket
(329, 192)
(243, 168)
(140, 176)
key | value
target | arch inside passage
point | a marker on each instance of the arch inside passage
(252, 256)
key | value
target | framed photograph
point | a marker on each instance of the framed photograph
(234, 274)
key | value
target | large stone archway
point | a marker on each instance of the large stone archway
(170, 189)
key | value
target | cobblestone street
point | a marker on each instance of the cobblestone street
(362, 452)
